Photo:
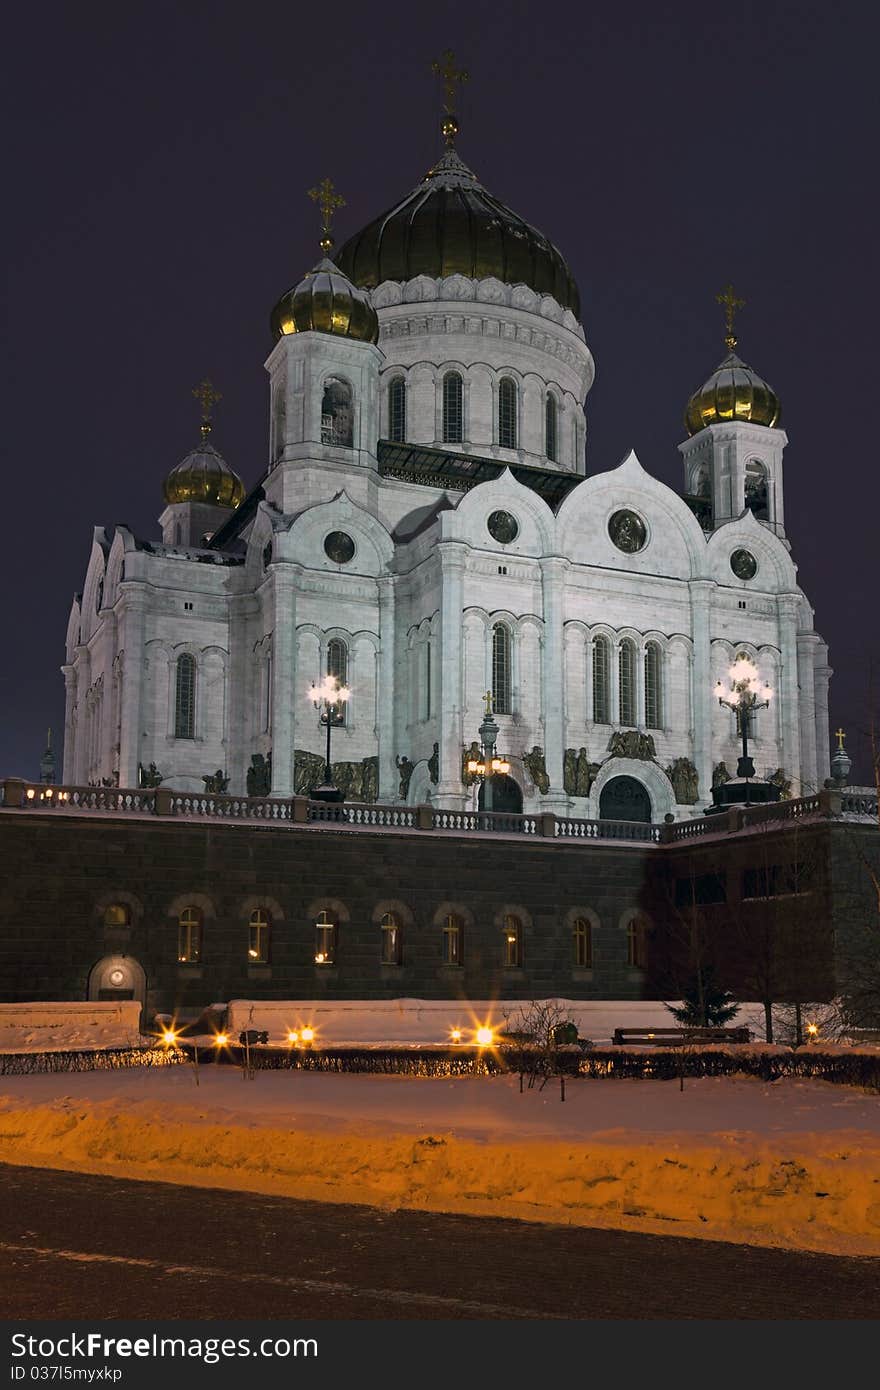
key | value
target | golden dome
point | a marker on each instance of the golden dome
(204, 476)
(733, 394)
(451, 225)
(325, 301)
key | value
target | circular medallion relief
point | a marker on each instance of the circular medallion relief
(744, 564)
(116, 977)
(502, 527)
(627, 531)
(339, 547)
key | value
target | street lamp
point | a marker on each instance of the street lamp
(329, 697)
(487, 765)
(745, 690)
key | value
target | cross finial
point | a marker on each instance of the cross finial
(840, 736)
(208, 398)
(728, 298)
(328, 201)
(488, 698)
(451, 77)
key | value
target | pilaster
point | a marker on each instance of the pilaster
(553, 571)
(701, 693)
(386, 695)
(133, 617)
(286, 695)
(450, 792)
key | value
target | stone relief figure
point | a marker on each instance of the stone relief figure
(631, 744)
(537, 769)
(216, 783)
(683, 776)
(779, 779)
(149, 776)
(434, 764)
(585, 774)
(720, 775)
(406, 770)
(569, 771)
(370, 788)
(308, 771)
(471, 754)
(258, 778)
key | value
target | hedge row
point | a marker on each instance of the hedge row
(105, 1059)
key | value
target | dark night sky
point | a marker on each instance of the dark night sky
(156, 209)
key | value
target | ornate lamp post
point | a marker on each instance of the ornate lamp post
(745, 691)
(329, 697)
(485, 767)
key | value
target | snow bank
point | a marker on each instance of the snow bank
(795, 1163)
(53, 1027)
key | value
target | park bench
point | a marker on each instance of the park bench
(677, 1037)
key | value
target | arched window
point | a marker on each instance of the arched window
(391, 941)
(453, 408)
(117, 915)
(582, 933)
(507, 413)
(258, 937)
(627, 672)
(337, 413)
(635, 943)
(512, 942)
(337, 665)
(397, 410)
(325, 939)
(452, 940)
(501, 669)
(757, 490)
(279, 424)
(601, 680)
(653, 686)
(185, 697)
(189, 935)
(550, 411)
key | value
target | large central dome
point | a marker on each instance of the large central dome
(450, 225)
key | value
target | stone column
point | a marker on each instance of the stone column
(386, 695)
(68, 770)
(701, 691)
(553, 571)
(806, 645)
(133, 621)
(822, 674)
(287, 697)
(450, 793)
(789, 712)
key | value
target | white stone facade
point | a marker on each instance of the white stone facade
(417, 604)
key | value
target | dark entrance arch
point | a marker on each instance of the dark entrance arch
(506, 795)
(623, 798)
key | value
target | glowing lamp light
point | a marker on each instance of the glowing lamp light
(455, 1035)
(307, 1035)
(252, 953)
(293, 1036)
(320, 958)
(48, 791)
(30, 793)
(221, 1040)
(169, 1036)
(813, 1030)
(485, 1037)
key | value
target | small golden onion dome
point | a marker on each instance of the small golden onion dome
(325, 301)
(734, 393)
(451, 225)
(204, 476)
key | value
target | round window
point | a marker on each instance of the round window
(117, 977)
(503, 527)
(339, 547)
(627, 531)
(744, 564)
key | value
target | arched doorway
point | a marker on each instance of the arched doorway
(506, 795)
(624, 798)
(117, 977)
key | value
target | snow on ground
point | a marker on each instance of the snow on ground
(794, 1163)
(53, 1027)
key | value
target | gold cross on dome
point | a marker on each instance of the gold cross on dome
(488, 698)
(207, 398)
(840, 736)
(328, 201)
(451, 77)
(731, 305)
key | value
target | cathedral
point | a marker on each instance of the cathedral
(424, 533)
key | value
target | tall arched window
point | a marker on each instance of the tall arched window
(635, 943)
(258, 937)
(582, 933)
(601, 680)
(185, 697)
(501, 683)
(627, 671)
(550, 412)
(512, 942)
(397, 410)
(453, 953)
(391, 941)
(279, 423)
(757, 497)
(337, 665)
(337, 413)
(189, 936)
(325, 939)
(653, 686)
(507, 413)
(453, 408)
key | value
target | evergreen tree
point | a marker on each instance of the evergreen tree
(705, 1004)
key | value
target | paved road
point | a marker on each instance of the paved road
(79, 1246)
